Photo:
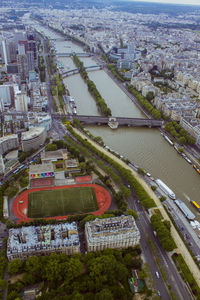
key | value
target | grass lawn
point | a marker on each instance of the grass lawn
(52, 203)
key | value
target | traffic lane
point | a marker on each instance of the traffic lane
(158, 283)
(173, 280)
(25, 166)
(171, 270)
(145, 228)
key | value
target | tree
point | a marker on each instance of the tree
(167, 224)
(59, 144)
(163, 198)
(105, 294)
(131, 212)
(77, 296)
(33, 265)
(150, 96)
(141, 171)
(51, 147)
(180, 149)
(73, 269)
(82, 165)
(3, 284)
(154, 187)
(14, 266)
(53, 271)
(99, 140)
(182, 140)
(128, 259)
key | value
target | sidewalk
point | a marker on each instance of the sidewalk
(181, 248)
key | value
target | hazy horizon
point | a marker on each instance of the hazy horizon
(188, 2)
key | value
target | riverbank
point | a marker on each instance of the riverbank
(181, 248)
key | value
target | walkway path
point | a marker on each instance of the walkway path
(181, 248)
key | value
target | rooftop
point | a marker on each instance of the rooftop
(102, 228)
(41, 168)
(51, 155)
(34, 132)
(37, 238)
(8, 137)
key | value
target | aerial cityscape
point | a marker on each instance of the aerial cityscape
(99, 150)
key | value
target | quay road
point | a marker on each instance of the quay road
(122, 121)
(173, 277)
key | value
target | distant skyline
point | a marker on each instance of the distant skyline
(189, 2)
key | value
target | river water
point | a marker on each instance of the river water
(145, 147)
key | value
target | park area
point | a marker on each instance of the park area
(50, 203)
(61, 201)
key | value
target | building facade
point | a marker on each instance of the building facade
(117, 232)
(2, 165)
(33, 138)
(7, 95)
(22, 62)
(8, 143)
(21, 102)
(43, 240)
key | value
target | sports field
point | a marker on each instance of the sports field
(61, 202)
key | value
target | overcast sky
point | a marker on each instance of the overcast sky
(197, 2)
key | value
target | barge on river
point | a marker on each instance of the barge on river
(165, 189)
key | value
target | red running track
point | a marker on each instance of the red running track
(20, 210)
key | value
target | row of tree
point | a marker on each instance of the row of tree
(61, 91)
(145, 103)
(116, 73)
(162, 229)
(179, 133)
(105, 110)
(3, 265)
(41, 67)
(95, 276)
(186, 274)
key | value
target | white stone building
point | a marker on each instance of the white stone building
(117, 232)
(33, 138)
(43, 240)
(8, 142)
(21, 102)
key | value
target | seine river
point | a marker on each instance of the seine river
(143, 146)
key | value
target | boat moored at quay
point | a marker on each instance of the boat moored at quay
(165, 189)
(184, 209)
(195, 204)
(168, 140)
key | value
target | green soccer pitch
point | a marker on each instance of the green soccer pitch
(61, 202)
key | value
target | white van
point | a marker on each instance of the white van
(157, 275)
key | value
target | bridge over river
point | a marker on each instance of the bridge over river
(122, 121)
(76, 71)
(68, 54)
